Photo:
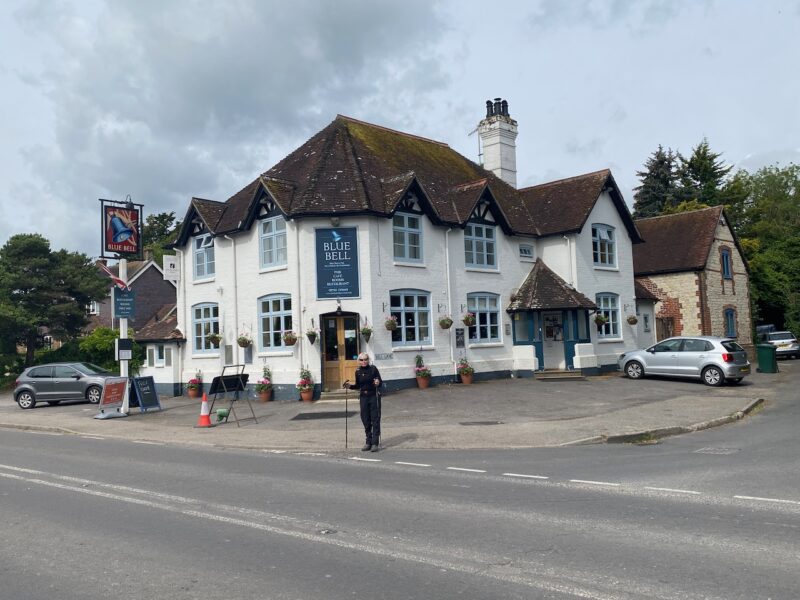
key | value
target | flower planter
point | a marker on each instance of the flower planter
(192, 392)
(446, 324)
(312, 337)
(423, 382)
(290, 341)
(366, 335)
(265, 396)
(244, 343)
(467, 379)
(391, 325)
(307, 395)
(632, 320)
(469, 322)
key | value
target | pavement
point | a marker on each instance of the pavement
(508, 413)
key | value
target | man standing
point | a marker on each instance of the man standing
(368, 382)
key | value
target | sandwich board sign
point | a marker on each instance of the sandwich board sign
(115, 392)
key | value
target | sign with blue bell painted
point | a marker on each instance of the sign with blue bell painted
(337, 263)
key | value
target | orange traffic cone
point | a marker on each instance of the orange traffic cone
(205, 419)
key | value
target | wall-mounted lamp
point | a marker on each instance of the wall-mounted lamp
(335, 221)
(338, 307)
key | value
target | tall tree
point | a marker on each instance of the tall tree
(41, 288)
(702, 175)
(159, 230)
(659, 182)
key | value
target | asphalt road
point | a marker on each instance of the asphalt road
(713, 515)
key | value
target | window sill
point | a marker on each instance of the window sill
(275, 353)
(529, 259)
(486, 345)
(273, 269)
(410, 264)
(481, 270)
(412, 348)
(207, 355)
(204, 280)
(604, 268)
(609, 340)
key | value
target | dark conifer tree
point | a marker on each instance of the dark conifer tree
(659, 184)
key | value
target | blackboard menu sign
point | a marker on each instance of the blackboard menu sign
(459, 337)
(144, 388)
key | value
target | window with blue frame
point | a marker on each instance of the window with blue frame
(407, 236)
(486, 308)
(730, 322)
(272, 242)
(604, 246)
(608, 307)
(205, 321)
(725, 259)
(412, 309)
(274, 318)
(204, 256)
(480, 246)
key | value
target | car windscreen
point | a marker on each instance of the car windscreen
(90, 369)
(732, 346)
(781, 335)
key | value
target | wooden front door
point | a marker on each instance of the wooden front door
(340, 350)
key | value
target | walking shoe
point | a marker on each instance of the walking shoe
(366, 448)
(375, 447)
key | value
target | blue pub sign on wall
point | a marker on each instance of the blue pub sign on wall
(337, 263)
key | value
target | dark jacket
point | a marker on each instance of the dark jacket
(365, 380)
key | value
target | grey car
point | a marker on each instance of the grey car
(785, 343)
(60, 381)
(715, 360)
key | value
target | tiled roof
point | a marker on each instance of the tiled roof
(642, 293)
(543, 289)
(162, 327)
(352, 167)
(675, 243)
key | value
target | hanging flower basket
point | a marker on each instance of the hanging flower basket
(214, 338)
(311, 335)
(600, 321)
(632, 320)
(289, 338)
(391, 323)
(366, 331)
(244, 340)
(468, 319)
(445, 322)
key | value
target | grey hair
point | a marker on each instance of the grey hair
(363, 356)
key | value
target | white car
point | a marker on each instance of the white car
(785, 343)
(715, 360)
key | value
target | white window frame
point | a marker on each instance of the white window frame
(412, 309)
(480, 246)
(270, 339)
(204, 265)
(205, 320)
(272, 242)
(486, 308)
(604, 246)
(157, 356)
(406, 232)
(608, 306)
(526, 252)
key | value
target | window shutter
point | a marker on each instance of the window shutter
(167, 356)
(151, 357)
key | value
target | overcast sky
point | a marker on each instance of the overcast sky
(168, 100)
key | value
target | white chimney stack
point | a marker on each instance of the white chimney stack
(498, 133)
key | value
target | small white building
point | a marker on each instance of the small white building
(363, 224)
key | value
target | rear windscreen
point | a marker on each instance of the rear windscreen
(783, 335)
(732, 346)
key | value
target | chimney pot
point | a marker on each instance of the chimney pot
(488, 108)
(497, 106)
(504, 106)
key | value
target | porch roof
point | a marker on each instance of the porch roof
(544, 290)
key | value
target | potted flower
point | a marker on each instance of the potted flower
(391, 323)
(305, 385)
(632, 319)
(244, 340)
(466, 371)
(366, 331)
(264, 385)
(194, 385)
(600, 320)
(445, 322)
(422, 373)
(468, 319)
(214, 338)
(312, 334)
(289, 338)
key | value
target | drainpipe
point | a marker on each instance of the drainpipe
(235, 300)
(449, 298)
(569, 258)
(186, 328)
(298, 289)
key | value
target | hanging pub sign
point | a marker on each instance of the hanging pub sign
(122, 228)
(337, 263)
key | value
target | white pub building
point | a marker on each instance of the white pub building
(362, 225)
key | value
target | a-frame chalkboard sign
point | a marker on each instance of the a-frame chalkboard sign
(143, 389)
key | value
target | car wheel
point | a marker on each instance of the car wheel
(26, 399)
(713, 376)
(54, 402)
(93, 394)
(634, 370)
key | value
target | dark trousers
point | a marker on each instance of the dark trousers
(371, 417)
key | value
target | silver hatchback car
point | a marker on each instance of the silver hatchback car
(60, 381)
(715, 360)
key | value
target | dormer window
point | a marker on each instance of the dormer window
(273, 242)
(204, 256)
(407, 237)
(480, 246)
(604, 246)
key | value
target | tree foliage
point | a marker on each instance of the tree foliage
(159, 230)
(659, 184)
(702, 176)
(40, 289)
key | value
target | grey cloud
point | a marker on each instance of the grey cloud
(638, 16)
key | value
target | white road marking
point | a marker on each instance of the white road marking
(365, 459)
(310, 454)
(45, 432)
(92, 437)
(525, 476)
(593, 482)
(660, 489)
(148, 443)
(466, 470)
(276, 451)
(778, 500)
(410, 464)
